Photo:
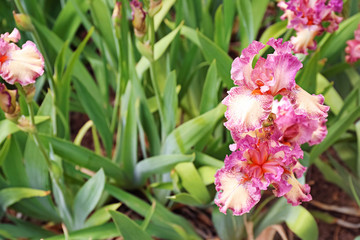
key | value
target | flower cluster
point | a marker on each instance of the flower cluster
(267, 132)
(353, 48)
(310, 18)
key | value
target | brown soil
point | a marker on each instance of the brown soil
(328, 193)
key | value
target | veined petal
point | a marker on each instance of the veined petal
(305, 39)
(246, 111)
(299, 169)
(310, 105)
(4, 47)
(235, 161)
(320, 133)
(22, 65)
(245, 140)
(273, 171)
(285, 67)
(282, 186)
(235, 192)
(279, 46)
(242, 66)
(298, 193)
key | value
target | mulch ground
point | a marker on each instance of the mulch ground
(328, 193)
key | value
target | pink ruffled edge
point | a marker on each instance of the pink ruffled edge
(241, 67)
(292, 190)
(249, 194)
(309, 105)
(14, 36)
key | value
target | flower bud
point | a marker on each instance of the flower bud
(155, 6)
(15, 115)
(7, 99)
(138, 18)
(29, 91)
(23, 22)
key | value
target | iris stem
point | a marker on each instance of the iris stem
(34, 133)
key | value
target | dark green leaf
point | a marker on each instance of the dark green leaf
(210, 90)
(84, 158)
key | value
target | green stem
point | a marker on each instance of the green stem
(123, 68)
(157, 97)
(34, 133)
(152, 35)
(117, 97)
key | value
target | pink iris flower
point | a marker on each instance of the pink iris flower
(267, 132)
(250, 103)
(310, 18)
(353, 48)
(248, 172)
(23, 65)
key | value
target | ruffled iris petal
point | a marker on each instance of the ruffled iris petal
(246, 111)
(285, 67)
(304, 39)
(14, 36)
(242, 66)
(235, 192)
(320, 133)
(310, 105)
(298, 193)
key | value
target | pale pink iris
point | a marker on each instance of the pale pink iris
(23, 65)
